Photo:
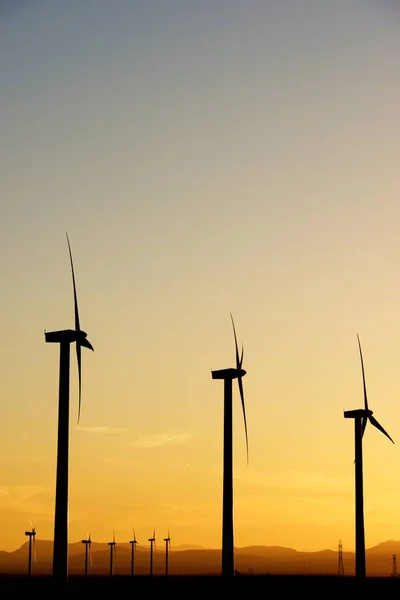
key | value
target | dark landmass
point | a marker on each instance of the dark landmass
(273, 561)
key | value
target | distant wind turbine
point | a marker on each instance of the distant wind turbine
(152, 541)
(113, 552)
(361, 416)
(88, 552)
(227, 503)
(133, 543)
(32, 548)
(65, 338)
(167, 541)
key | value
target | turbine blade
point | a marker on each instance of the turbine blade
(363, 425)
(238, 361)
(375, 423)
(86, 344)
(77, 327)
(79, 345)
(79, 361)
(363, 376)
(240, 384)
(79, 342)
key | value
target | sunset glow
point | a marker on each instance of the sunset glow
(205, 158)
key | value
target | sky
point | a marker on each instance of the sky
(205, 158)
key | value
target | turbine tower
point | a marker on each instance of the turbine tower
(88, 553)
(112, 555)
(361, 416)
(32, 548)
(152, 541)
(133, 543)
(167, 541)
(65, 338)
(227, 375)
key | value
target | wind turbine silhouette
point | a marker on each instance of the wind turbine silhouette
(65, 338)
(32, 548)
(113, 552)
(88, 552)
(361, 417)
(167, 541)
(227, 503)
(133, 543)
(152, 541)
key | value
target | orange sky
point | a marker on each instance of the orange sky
(204, 158)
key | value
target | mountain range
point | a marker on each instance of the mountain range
(194, 560)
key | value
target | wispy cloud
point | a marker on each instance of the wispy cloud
(103, 430)
(4, 492)
(298, 480)
(31, 499)
(163, 439)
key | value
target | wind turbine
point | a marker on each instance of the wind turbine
(227, 503)
(113, 552)
(32, 548)
(361, 416)
(152, 541)
(167, 541)
(65, 338)
(88, 552)
(133, 543)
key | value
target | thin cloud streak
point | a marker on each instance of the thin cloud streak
(156, 440)
(103, 430)
(298, 480)
(29, 499)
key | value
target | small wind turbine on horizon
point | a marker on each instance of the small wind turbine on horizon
(152, 541)
(361, 416)
(113, 552)
(133, 543)
(31, 548)
(88, 552)
(227, 375)
(65, 338)
(167, 541)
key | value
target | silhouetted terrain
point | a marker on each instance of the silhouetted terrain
(250, 560)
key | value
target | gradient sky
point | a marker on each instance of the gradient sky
(204, 157)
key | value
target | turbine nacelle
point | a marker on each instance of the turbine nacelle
(228, 373)
(358, 413)
(68, 336)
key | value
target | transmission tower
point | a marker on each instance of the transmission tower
(394, 566)
(340, 560)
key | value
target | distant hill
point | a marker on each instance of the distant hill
(195, 560)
